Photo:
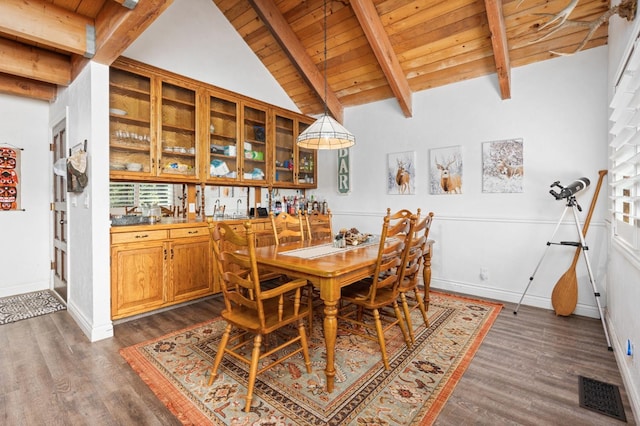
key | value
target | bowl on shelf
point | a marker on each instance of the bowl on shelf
(117, 166)
(134, 167)
(117, 111)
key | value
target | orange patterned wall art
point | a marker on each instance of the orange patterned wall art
(9, 178)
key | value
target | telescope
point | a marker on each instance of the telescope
(569, 190)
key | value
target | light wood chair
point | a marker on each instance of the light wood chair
(251, 309)
(401, 215)
(409, 290)
(381, 289)
(319, 225)
(286, 227)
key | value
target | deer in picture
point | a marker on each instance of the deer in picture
(510, 171)
(450, 183)
(402, 178)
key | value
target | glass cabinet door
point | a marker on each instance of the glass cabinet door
(178, 131)
(284, 151)
(130, 151)
(223, 139)
(306, 176)
(254, 145)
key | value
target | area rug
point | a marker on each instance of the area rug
(28, 305)
(421, 378)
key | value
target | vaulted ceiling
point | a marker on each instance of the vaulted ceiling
(375, 49)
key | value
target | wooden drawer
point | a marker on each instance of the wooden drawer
(189, 232)
(138, 237)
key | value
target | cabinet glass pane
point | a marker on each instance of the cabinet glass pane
(223, 138)
(178, 133)
(306, 161)
(284, 162)
(254, 146)
(129, 122)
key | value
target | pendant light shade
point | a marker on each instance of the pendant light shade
(326, 133)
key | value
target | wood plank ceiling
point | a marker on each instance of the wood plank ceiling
(376, 49)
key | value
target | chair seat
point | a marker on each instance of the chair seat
(358, 293)
(247, 319)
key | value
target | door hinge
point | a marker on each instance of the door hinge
(53, 265)
(52, 206)
(52, 147)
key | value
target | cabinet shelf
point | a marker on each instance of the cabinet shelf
(223, 115)
(178, 129)
(179, 103)
(124, 90)
(123, 146)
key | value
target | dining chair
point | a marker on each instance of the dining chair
(254, 311)
(401, 215)
(286, 227)
(380, 290)
(409, 290)
(318, 225)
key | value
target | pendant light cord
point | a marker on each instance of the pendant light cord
(325, 58)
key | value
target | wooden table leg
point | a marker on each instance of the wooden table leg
(426, 272)
(330, 333)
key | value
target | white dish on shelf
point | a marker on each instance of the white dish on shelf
(134, 167)
(117, 166)
(117, 111)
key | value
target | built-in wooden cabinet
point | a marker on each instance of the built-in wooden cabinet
(254, 144)
(131, 129)
(151, 269)
(223, 159)
(178, 144)
(293, 167)
(170, 128)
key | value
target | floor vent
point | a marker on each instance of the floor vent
(603, 398)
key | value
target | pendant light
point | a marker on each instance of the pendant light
(325, 132)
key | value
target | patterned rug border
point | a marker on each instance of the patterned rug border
(29, 305)
(187, 412)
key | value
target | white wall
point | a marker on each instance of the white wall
(85, 103)
(24, 252)
(558, 108)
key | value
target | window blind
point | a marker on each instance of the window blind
(139, 194)
(624, 154)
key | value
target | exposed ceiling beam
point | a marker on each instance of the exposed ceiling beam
(12, 85)
(373, 29)
(34, 63)
(289, 42)
(47, 24)
(499, 43)
(117, 27)
(129, 4)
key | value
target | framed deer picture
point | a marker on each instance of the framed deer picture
(503, 166)
(445, 174)
(401, 173)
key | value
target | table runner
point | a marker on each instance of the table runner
(324, 250)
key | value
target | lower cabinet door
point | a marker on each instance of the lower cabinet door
(137, 274)
(190, 269)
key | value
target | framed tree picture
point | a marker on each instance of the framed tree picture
(445, 171)
(401, 173)
(503, 166)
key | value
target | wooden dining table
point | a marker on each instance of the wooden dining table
(328, 269)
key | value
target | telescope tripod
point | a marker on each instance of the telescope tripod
(573, 205)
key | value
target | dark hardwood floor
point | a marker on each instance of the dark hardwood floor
(526, 372)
